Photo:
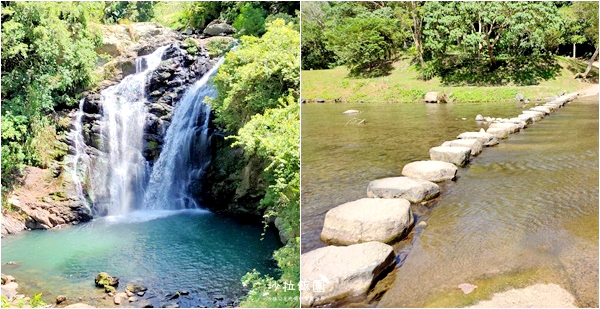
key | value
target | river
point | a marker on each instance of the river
(523, 212)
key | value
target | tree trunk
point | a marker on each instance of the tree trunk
(417, 28)
(574, 50)
(589, 67)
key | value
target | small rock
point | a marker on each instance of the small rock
(479, 118)
(79, 305)
(129, 293)
(104, 278)
(170, 305)
(172, 296)
(109, 289)
(422, 223)
(219, 297)
(132, 299)
(60, 299)
(184, 292)
(141, 293)
(319, 100)
(120, 297)
(467, 287)
(519, 97)
(351, 112)
(145, 304)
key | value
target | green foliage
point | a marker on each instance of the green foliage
(192, 46)
(315, 52)
(367, 43)
(137, 11)
(47, 60)
(257, 98)
(219, 47)
(34, 302)
(256, 75)
(251, 21)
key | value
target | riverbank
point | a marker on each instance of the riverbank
(403, 85)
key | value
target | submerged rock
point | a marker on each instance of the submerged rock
(367, 220)
(414, 190)
(434, 171)
(334, 273)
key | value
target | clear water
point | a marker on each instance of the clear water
(525, 211)
(167, 251)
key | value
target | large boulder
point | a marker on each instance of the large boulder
(475, 145)
(218, 28)
(365, 220)
(435, 171)
(334, 273)
(485, 138)
(455, 155)
(414, 190)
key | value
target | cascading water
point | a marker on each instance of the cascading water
(120, 177)
(80, 155)
(186, 152)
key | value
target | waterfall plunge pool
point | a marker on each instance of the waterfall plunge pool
(197, 251)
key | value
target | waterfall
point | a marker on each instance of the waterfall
(123, 174)
(186, 150)
(80, 155)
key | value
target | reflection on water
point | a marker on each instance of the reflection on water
(525, 211)
(166, 251)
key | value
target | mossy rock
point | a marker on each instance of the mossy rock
(108, 289)
(103, 279)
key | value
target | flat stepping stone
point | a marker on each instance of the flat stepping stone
(367, 219)
(351, 112)
(458, 156)
(474, 144)
(499, 132)
(537, 116)
(542, 109)
(511, 127)
(485, 138)
(334, 273)
(521, 123)
(529, 119)
(414, 190)
(434, 171)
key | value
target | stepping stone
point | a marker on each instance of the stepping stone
(522, 124)
(527, 118)
(458, 156)
(334, 273)
(367, 219)
(511, 127)
(414, 190)
(435, 171)
(499, 132)
(485, 138)
(535, 114)
(542, 109)
(473, 143)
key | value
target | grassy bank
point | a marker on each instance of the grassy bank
(403, 85)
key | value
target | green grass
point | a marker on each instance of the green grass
(403, 85)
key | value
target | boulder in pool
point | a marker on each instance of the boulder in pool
(414, 190)
(473, 143)
(537, 115)
(485, 138)
(431, 97)
(528, 119)
(334, 273)
(367, 219)
(458, 156)
(104, 278)
(434, 171)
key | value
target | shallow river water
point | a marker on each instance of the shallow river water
(166, 251)
(523, 212)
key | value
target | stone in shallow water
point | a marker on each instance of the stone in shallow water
(455, 155)
(485, 138)
(472, 143)
(334, 273)
(543, 109)
(467, 287)
(367, 219)
(435, 171)
(414, 190)
(511, 127)
(535, 114)
(499, 132)
(535, 296)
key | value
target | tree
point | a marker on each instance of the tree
(588, 11)
(256, 75)
(414, 10)
(251, 21)
(315, 52)
(366, 43)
